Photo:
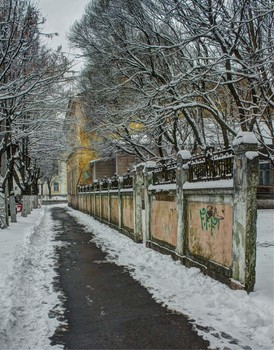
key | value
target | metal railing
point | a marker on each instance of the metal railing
(165, 173)
(211, 166)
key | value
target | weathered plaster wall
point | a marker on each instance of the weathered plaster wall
(127, 212)
(97, 205)
(104, 207)
(207, 224)
(164, 217)
(209, 232)
(114, 213)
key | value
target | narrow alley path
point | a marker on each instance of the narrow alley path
(105, 307)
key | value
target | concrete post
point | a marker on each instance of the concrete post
(120, 185)
(109, 203)
(181, 177)
(90, 200)
(147, 181)
(246, 170)
(79, 199)
(86, 198)
(137, 202)
(82, 198)
(100, 199)
(94, 199)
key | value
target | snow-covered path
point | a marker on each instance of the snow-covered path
(27, 298)
(29, 304)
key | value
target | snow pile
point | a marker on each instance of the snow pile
(27, 298)
(245, 137)
(265, 257)
(184, 154)
(251, 155)
(227, 318)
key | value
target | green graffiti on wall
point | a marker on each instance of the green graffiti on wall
(209, 218)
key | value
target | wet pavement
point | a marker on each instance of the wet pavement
(105, 307)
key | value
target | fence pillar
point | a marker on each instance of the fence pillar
(94, 196)
(86, 198)
(181, 177)
(80, 198)
(246, 169)
(108, 200)
(100, 198)
(147, 181)
(77, 204)
(120, 186)
(137, 202)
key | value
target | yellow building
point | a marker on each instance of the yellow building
(78, 162)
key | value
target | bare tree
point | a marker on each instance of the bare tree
(30, 74)
(165, 75)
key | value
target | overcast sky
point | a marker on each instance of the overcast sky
(60, 15)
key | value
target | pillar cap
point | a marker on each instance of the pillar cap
(245, 141)
(245, 137)
(184, 156)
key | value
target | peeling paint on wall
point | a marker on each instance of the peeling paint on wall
(127, 212)
(114, 215)
(164, 220)
(105, 207)
(97, 204)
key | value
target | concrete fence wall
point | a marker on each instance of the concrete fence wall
(206, 223)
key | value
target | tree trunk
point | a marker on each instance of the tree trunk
(12, 208)
(49, 187)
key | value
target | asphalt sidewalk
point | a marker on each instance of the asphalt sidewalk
(105, 307)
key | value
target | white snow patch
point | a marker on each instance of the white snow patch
(162, 187)
(184, 154)
(251, 155)
(27, 297)
(150, 164)
(245, 137)
(208, 184)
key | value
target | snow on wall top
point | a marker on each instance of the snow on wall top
(184, 154)
(150, 164)
(245, 137)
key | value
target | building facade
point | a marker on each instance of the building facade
(58, 184)
(78, 161)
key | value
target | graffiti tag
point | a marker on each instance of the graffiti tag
(209, 217)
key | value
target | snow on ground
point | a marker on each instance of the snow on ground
(227, 318)
(27, 298)
(29, 304)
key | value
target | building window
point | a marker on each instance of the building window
(56, 186)
(265, 179)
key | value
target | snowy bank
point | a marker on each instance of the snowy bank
(227, 318)
(27, 297)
